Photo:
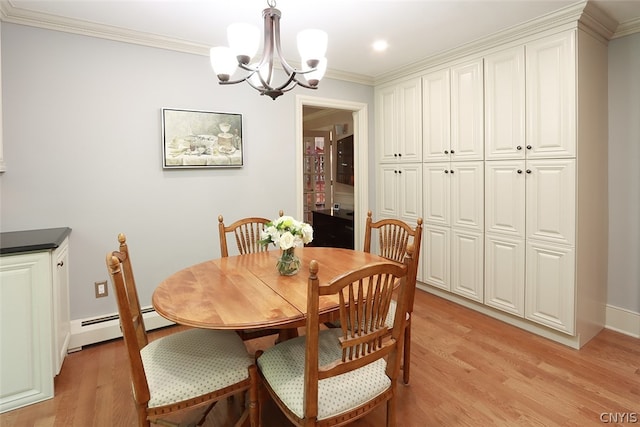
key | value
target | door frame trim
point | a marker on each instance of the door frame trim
(361, 157)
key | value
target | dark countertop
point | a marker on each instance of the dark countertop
(342, 213)
(32, 240)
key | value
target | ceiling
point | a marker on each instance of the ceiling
(414, 29)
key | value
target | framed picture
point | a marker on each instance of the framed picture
(201, 139)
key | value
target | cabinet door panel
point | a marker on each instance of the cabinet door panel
(410, 121)
(387, 199)
(436, 193)
(551, 96)
(504, 105)
(467, 112)
(467, 264)
(410, 201)
(436, 116)
(550, 188)
(435, 242)
(505, 197)
(504, 274)
(550, 286)
(467, 195)
(25, 330)
(386, 122)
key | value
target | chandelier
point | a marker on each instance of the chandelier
(244, 41)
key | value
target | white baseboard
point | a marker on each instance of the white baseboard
(107, 330)
(622, 320)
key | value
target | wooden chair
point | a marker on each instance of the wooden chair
(337, 375)
(394, 236)
(247, 235)
(182, 371)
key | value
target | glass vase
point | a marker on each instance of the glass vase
(288, 263)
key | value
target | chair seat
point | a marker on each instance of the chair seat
(282, 366)
(191, 363)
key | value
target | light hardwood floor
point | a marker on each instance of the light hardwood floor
(467, 370)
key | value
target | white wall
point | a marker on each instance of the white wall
(82, 146)
(624, 173)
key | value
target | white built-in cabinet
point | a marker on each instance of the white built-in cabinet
(35, 324)
(514, 172)
(453, 176)
(530, 177)
(400, 191)
(399, 122)
(454, 220)
(399, 151)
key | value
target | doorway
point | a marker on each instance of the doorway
(345, 125)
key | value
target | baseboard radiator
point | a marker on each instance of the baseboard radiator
(104, 328)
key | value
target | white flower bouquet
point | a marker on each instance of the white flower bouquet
(286, 233)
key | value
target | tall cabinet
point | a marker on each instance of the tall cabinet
(514, 189)
(453, 175)
(399, 151)
(545, 174)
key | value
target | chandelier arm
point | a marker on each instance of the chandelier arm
(285, 65)
(292, 78)
(305, 85)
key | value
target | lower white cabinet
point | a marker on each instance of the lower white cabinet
(550, 286)
(504, 274)
(34, 324)
(530, 215)
(453, 233)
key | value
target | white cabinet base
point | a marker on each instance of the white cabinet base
(25, 296)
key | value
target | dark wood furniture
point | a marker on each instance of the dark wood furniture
(333, 228)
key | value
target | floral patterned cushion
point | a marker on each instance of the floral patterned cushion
(283, 368)
(194, 362)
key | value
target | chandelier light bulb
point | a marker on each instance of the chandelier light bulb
(313, 76)
(244, 40)
(223, 62)
(312, 44)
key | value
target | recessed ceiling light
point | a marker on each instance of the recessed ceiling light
(380, 45)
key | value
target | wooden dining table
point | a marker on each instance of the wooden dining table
(246, 292)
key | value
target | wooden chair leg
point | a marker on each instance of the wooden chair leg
(406, 353)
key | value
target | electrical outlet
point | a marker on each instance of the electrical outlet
(101, 289)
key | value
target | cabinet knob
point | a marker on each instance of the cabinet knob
(519, 170)
(446, 151)
(446, 171)
(61, 263)
(528, 170)
(528, 147)
(452, 170)
(395, 171)
(399, 171)
(453, 152)
(395, 155)
(519, 147)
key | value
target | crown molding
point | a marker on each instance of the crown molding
(627, 28)
(565, 16)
